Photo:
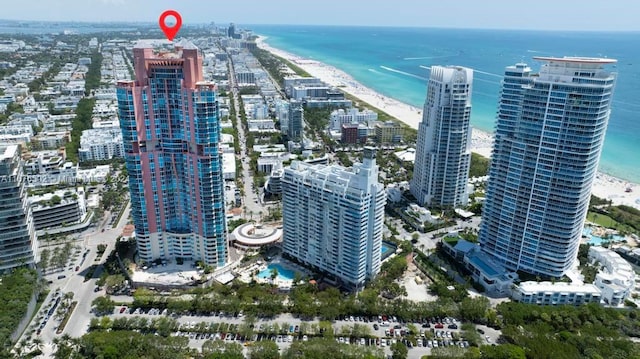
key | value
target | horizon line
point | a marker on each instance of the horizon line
(153, 23)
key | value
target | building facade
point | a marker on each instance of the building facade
(341, 117)
(333, 218)
(100, 144)
(388, 132)
(616, 278)
(443, 153)
(17, 233)
(295, 121)
(548, 140)
(171, 131)
(349, 133)
(559, 293)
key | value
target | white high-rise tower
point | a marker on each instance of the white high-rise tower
(333, 218)
(443, 153)
(549, 136)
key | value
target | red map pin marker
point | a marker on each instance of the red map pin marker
(170, 32)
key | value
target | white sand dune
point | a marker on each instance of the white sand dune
(605, 186)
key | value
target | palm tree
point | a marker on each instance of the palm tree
(22, 345)
(38, 344)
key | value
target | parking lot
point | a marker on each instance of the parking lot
(379, 331)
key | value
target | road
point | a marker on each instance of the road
(74, 282)
(252, 203)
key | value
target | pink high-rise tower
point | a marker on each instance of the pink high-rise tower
(170, 126)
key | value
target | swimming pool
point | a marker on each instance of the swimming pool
(597, 241)
(387, 249)
(283, 273)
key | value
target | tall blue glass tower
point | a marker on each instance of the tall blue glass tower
(548, 139)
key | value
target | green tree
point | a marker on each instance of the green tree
(217, 349)
(103, 305)
(474, 309)
(264, 350)
(399, 350)
(45, 255)
(504, 351)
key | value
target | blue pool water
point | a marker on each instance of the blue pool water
(283, 273)
(387, 249)
(597, 241)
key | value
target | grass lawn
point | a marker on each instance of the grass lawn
(608, 222)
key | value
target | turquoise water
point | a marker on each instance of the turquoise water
(392, 61)
(387, 249)
(283, 273)
(597, 241)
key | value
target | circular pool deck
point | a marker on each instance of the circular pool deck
(250, 235)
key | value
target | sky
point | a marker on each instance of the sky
(573, 15)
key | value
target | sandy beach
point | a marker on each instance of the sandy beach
(605, 186)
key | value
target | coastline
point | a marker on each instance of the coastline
(604, 186)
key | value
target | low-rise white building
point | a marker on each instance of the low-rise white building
(408, 155)
(341, 117)
(101, 144)
(44, 161)
(421, 214)
(262, 125)
(229, 165)
(268, 161)
(559, 293)
(16, 134)
(98, 174)
(616, 278)
(50, 140)
(60, 208)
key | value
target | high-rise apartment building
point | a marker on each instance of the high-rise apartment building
(171, 130)
(295, 121)
(18, 245)
(333, 218)
(548, 139)
(443, 153)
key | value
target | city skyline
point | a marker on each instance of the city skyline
(468, 14)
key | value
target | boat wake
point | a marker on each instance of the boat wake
(428, 57)
(487, 73)
(403, 73)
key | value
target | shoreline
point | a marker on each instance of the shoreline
(604, 186)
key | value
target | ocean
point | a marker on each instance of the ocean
(394, 61)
